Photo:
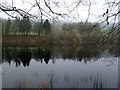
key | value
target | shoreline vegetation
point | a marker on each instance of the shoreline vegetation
(42, 40)
(19, 40)
(24, 32)
(36, 40)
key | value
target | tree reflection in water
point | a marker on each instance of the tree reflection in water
(84, 53)
(24, 56)
(78, 77)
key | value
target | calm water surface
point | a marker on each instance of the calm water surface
(60, 67)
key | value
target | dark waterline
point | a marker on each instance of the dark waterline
(60, 67)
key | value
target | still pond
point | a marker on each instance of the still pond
(84, 66)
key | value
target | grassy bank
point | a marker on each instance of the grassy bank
(37, 40)
(25, 40)
(52, 39)
(42, 40)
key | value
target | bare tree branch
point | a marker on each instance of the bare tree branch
(51, 9)
(88, 12)
(14, 9)
(39, 9)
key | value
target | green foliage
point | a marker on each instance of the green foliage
(62, 36)
(7, 28)
(81, 32)
(28, 24)
(38, 26)
(88, 31)
(24, 25)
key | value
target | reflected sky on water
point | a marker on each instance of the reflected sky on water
(60, 67)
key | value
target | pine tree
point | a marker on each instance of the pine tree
(7, 28)
(25, 25)
(47, 26)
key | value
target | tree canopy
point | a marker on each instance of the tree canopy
(47, 26)
(24, 25)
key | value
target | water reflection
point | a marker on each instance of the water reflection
(24, 55)
(82, 54)
(60, 67)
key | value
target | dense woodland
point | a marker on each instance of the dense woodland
(66, 32)
(21, 26)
